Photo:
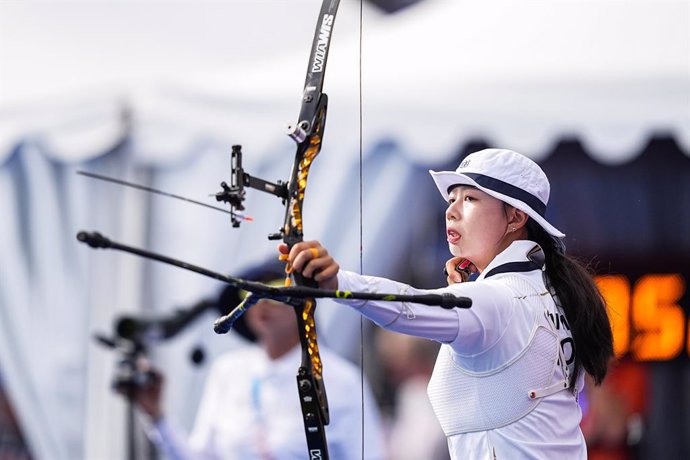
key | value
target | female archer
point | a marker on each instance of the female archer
(507, 377)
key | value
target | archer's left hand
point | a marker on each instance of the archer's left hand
(312, 260)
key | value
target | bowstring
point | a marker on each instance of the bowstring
(361, 231)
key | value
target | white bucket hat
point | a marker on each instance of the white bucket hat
(507, 176)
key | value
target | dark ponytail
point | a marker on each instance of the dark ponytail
(582, 303)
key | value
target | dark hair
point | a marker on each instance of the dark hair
(582, 303)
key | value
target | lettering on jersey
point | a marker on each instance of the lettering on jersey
(322, 44)
(567, 343)
(557, 320)
(568, 346)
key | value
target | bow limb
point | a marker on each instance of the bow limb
(308, 134)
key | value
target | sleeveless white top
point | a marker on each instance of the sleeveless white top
(467, 401)
(493, 355)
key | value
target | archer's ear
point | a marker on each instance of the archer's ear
(518, 219)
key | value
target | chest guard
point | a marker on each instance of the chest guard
(465, 401)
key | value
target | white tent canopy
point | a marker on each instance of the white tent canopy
(514, 72)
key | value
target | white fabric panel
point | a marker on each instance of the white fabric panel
(22, 323)
(55, 294)
(520, 73)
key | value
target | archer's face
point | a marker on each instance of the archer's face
(476, 225)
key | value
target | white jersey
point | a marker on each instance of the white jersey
(484, 340)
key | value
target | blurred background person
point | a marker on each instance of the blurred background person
(412, 430)
(250, 407)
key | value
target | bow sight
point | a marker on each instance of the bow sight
(234, 193)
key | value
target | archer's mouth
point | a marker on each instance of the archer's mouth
(453, 236)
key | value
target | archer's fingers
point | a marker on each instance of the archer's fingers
(302, 253)
(322, 268)
(327, 278)
(288, 255)
(454, 278)
(312, 260)
(455, 270)
(317, 264)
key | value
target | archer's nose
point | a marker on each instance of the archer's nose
(452, 213)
